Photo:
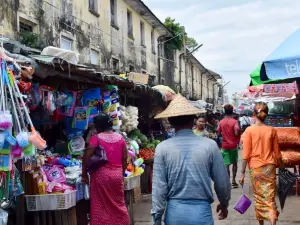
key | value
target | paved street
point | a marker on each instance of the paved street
(290, 215)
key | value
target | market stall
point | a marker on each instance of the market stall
(49, 109)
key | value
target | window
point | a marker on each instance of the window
(23, 27)
(93, 7)
(113, 12)
(153, 42)
(129, 24)
(115, 65)
(66, 43)
(94, 57)
(142, 30)
(131, 68)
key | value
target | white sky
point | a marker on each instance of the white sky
(237, 35)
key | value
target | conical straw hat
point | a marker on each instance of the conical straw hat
(179, 107)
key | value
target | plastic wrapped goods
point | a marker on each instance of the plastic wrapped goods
(129, 117)
(291, 157)
(288, 137)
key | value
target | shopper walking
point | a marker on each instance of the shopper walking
(229, 129)
(261, 152)
(183, 169)
(200, 128)
(107, 188)
(245, 122)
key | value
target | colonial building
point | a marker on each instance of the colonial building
(116, 36)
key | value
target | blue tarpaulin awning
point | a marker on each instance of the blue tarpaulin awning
(284, 62)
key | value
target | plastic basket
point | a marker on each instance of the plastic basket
(51, 201)
(131, 182)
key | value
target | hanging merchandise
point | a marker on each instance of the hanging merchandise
(15, 186)
(61, 99)
(80, 120)
(76, 146)
(91, 97)
(5, 163)
(114, 111)
(24, 86)
(66, 104)
(106, 102)
(34, 97)
(34, 137)
(129, 117)
(6, 147)
(92, 112)
(5, 115)
(30, 150)
(48, 100)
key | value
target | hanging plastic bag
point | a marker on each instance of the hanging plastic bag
(91, 97)
(286, 181)
(80, 118)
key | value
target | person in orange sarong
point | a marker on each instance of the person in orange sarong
(261, 153)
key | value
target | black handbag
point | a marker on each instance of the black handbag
(98, 159)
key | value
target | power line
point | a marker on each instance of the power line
(160, 43)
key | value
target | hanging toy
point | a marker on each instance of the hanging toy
(22, 139)
(135, 146)
(34, 137)
(16, 151)
(131, 154)
(2, 139)
(22, 136)
(10, 138)
(5, 115)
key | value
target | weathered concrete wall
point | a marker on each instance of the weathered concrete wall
(73, 20)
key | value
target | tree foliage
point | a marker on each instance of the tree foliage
(176, 29)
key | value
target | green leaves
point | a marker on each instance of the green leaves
(177, 30)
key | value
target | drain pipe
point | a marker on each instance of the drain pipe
(202, 85)
(180, 71)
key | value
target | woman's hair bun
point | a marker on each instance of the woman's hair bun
(261, 111)
(103, 122)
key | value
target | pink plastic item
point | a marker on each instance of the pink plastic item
(57, 187)
(56, 174)
(16, 151)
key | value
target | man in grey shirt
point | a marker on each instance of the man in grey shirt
(184, 168)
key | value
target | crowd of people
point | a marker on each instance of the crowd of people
(201, 151)
(185, 165)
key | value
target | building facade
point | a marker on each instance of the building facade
(116, 36)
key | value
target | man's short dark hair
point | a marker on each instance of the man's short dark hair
(181, 120)
(228, 109)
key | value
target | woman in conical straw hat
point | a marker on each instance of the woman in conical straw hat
(184, 167)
